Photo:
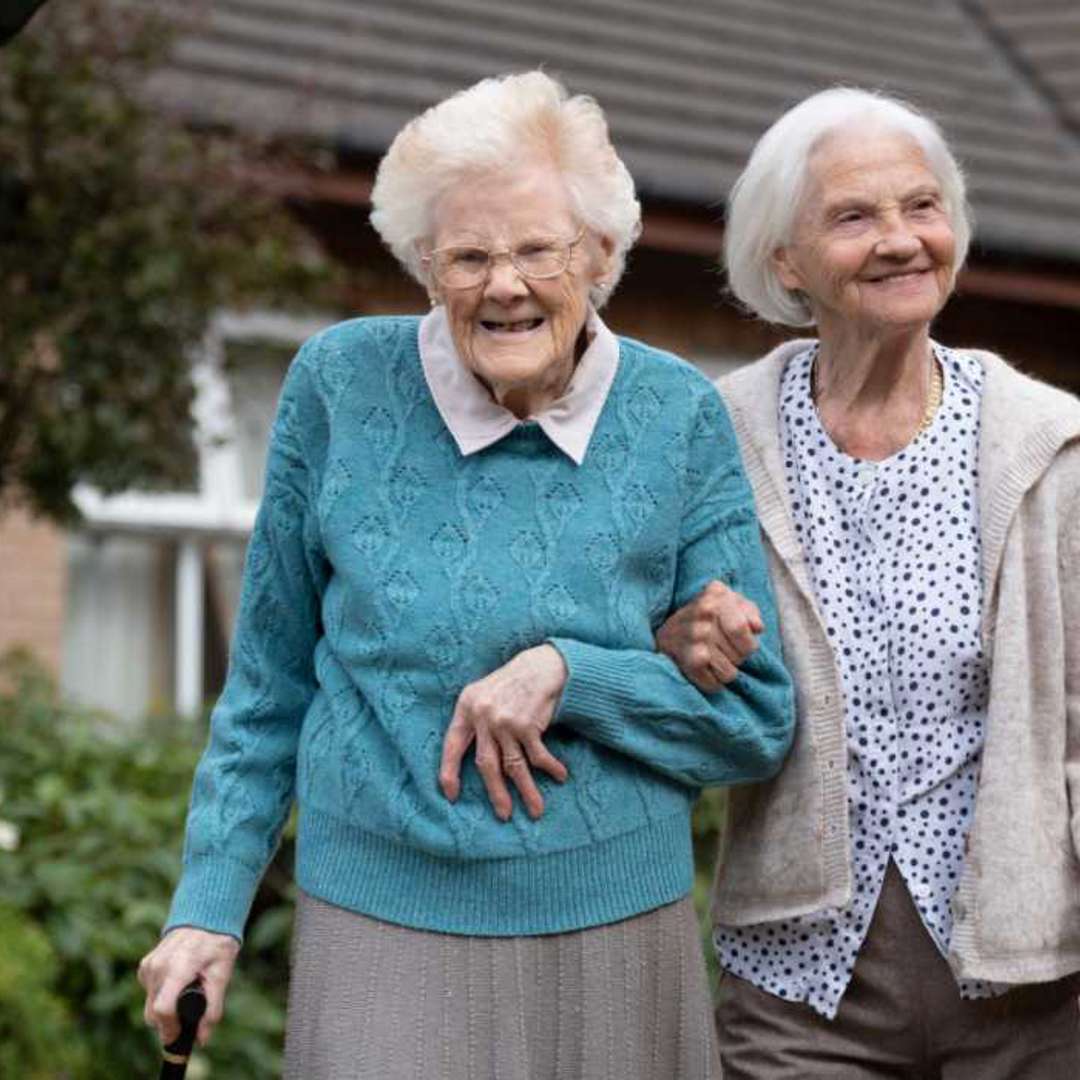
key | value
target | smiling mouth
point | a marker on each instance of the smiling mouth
(521, 326)
(907, 275)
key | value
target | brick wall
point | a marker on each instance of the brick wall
(32, 586)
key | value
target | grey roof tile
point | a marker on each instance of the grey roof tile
(687, 87)
(1045, 35)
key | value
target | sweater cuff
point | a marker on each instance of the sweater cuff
(597, 696)
(215, 893)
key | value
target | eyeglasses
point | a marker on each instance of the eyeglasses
(462, 267)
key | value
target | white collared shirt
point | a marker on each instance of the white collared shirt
(476, 420)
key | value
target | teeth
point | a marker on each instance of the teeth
(512, 327)
(901, 277)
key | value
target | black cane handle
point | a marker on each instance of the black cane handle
(190, 1006)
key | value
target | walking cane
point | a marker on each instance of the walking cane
(190, 1006)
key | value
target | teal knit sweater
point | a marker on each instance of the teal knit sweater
(387, 571)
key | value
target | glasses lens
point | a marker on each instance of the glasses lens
(460, 267)
(542, 258)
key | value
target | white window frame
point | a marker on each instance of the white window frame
(219, 507)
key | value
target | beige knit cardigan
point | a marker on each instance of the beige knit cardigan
(785, 851)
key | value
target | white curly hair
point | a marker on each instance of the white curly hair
(494, 125)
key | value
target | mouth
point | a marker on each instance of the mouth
(899, 278)
(519, 326)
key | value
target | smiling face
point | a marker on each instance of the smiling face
(518, 335)
(873, 248)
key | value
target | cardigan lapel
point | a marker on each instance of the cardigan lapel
(1023, 425)
(752, 395)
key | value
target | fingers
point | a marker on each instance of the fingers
(733, 616)
(214, 988)
(490, 766)
(516, 768)
(542, 758)
(181, 956)
(458, 739)
(739, 624)
(711, 636)
(163, 978)
(163, 1006)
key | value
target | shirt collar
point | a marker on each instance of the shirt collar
(476, 421)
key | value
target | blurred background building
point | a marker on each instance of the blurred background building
(134, 610)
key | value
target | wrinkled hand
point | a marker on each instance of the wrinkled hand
(709, 637)
(505, 714)
(177, 958)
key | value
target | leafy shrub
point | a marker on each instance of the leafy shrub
(708, 821)
(38, 1039)
(91, 821)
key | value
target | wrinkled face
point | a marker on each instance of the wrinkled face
(517, 334)
(873, 248)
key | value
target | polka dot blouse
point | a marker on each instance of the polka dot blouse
(893, 548)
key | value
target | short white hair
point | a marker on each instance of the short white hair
(766, 200)
(494, 125)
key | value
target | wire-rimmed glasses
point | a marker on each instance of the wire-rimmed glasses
(463, 266)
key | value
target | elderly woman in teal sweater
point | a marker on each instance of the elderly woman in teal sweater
(473, 524)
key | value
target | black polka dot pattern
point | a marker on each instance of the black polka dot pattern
(893, 548)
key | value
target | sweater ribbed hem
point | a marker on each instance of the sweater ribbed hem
(547, 894)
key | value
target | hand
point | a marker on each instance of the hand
(711, 636)
(179, 957)
(505, 714)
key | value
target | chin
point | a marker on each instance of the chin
(512, 369)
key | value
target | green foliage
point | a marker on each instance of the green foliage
(710, 812)
(91, 821)
(38, 1039)
(121, 234)
(95, 820)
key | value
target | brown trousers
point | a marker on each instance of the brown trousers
(902, 1017)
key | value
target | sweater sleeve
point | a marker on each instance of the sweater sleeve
(244, 782)
(1070, 593)
(638, 702)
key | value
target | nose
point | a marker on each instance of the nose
(897, 240)
(504, 284)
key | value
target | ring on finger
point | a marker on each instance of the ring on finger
(513, 761)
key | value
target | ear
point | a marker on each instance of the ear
(422, 248)
(603, 259)
(786, 270)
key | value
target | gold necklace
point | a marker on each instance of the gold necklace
(933, 397)
(934, 392)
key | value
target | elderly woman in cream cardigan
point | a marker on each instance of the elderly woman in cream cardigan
(903, 899)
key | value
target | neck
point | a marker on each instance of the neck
(871, 391)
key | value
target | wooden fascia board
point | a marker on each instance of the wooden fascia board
(681, 233)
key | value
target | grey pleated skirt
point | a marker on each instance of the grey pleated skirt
(372, 1001)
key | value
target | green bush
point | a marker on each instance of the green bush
(708, 820)
(38, 1039)
(91, 821)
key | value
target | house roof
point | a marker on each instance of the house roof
(687, 88)
(1044, 36)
